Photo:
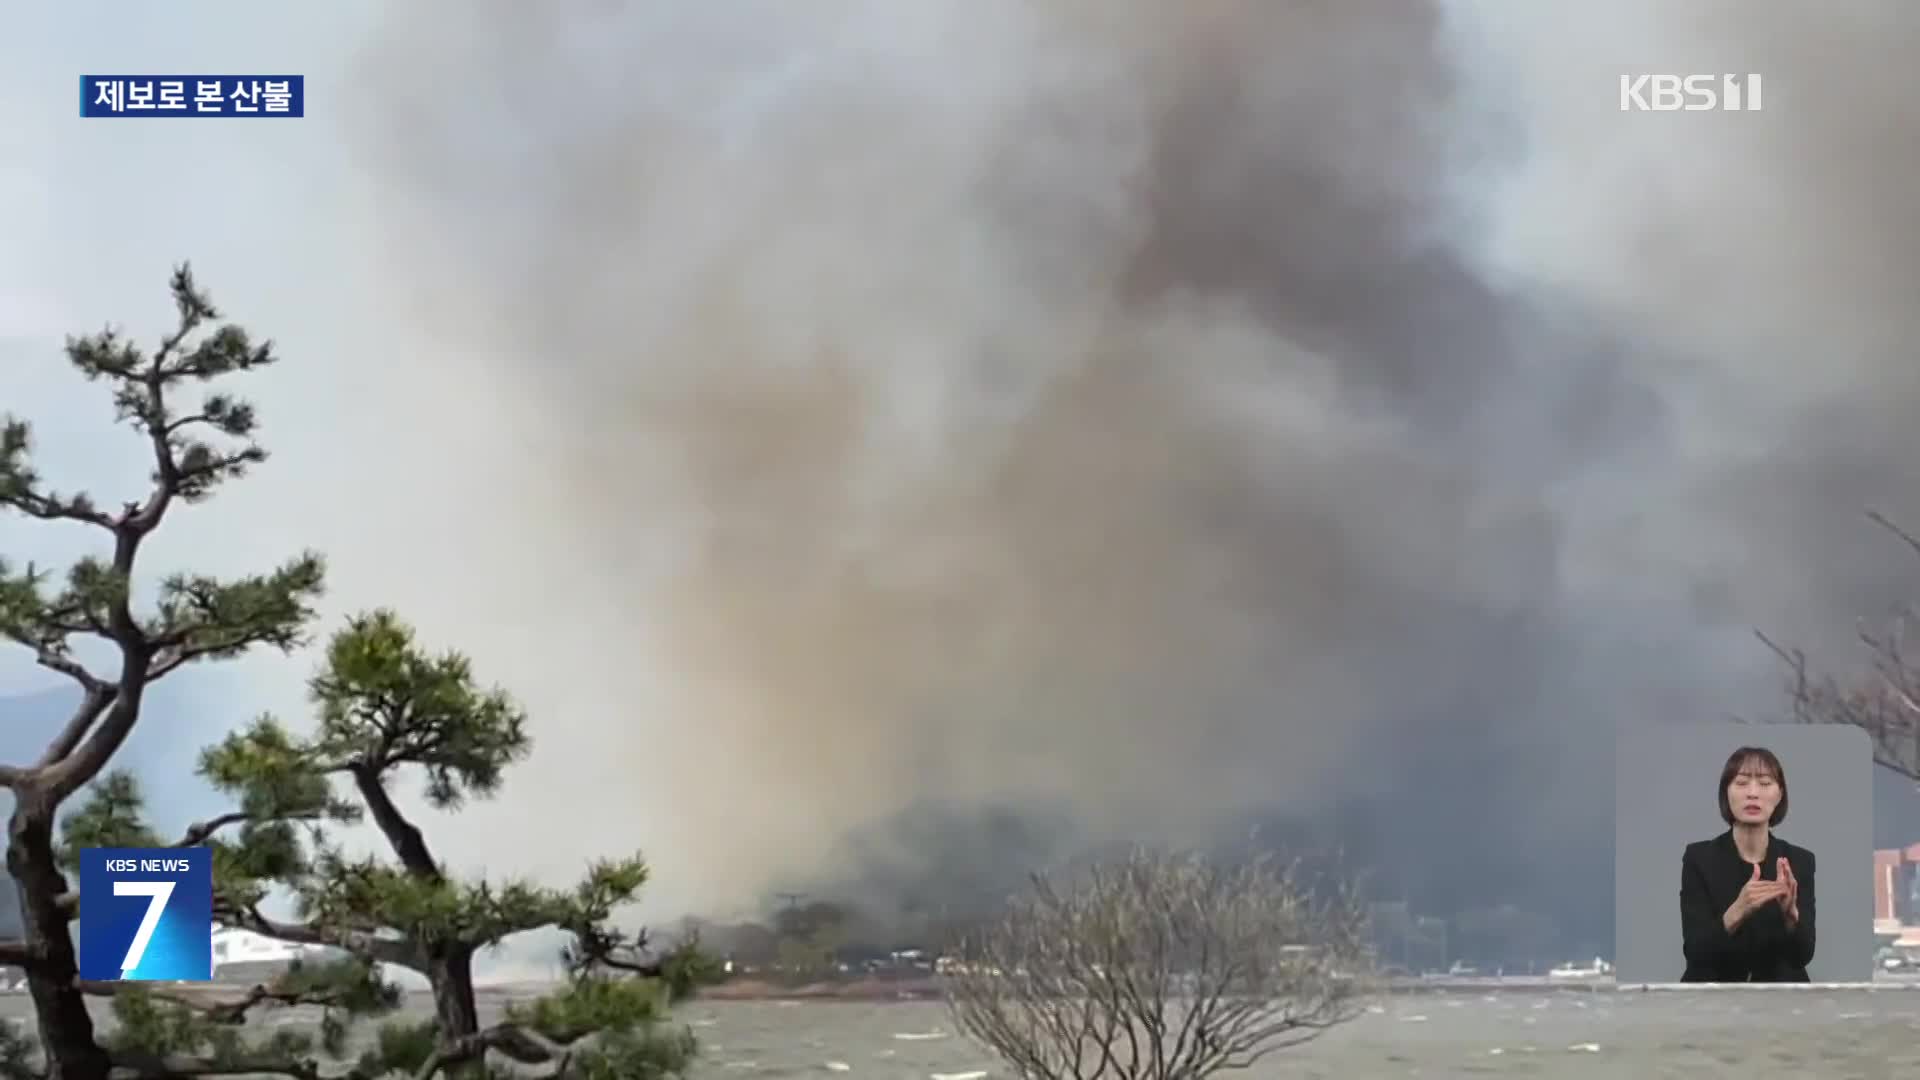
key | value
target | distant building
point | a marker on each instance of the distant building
(1896, 893)
(244, 956)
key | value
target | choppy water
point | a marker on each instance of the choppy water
(1823, 1033)
(1828, 1034)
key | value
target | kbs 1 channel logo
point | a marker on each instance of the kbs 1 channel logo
(258, 96)
(1690, 93)
(146, 914)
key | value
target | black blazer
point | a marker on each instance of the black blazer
(1761, 949)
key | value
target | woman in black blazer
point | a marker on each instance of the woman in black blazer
(1746, 896)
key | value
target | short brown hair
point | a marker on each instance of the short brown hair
(1767, 761)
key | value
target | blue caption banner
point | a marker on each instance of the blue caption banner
(146, 913)
(193, 95)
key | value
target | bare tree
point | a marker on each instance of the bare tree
(1159, 967)
(1885, 701)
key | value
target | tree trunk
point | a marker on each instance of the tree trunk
(450, 967)
(66, 1028)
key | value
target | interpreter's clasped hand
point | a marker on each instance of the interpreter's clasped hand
(1758, 893)
(1789, 898)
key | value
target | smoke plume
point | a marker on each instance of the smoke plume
(1161, 414)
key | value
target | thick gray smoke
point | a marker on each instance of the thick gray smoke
(1158, 413)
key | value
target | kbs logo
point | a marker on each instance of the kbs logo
(1692, 93)
(146, 913)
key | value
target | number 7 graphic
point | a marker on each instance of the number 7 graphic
(157, 893)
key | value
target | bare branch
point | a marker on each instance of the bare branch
(1884, 702)
(1793, 657)
(1904, 536)
(1160, 966)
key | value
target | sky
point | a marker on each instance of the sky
(94, 220)
(846, 424)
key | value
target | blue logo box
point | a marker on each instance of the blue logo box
(146, 913)
(193, 95)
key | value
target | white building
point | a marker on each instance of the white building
(242, 955)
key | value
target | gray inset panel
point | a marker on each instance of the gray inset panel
(1665, 799)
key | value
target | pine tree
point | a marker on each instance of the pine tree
(387, 709)
(384, 708)
(190, 618)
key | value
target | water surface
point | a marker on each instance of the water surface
(1826, 1033)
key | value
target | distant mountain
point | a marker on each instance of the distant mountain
(27, 721)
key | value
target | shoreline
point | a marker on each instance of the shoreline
(873, 991)
(881, 990)
(862, 990)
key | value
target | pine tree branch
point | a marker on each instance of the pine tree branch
(20, 486)
(129, 1065)
(43, 628)
(360, 943)
(47, 506)
(143, 398)
(55, 658)
(79, 767)
(202, 618)
(122, 627)
(98, 699)
(649, 968)
(166, 471)
(15, 952)
(172, 654)
(169, 662)
(200, 831)
(409, 845)
(214, 1010)
(514, 1040)
(228, 1010)
(82, 764)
